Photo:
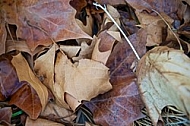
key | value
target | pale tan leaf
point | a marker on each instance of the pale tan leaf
(86, 80)
(116, 35)
(44, 67)
(70, 51)
(57, 112)
(86, 51)
(41, 122)
(154, 26)
(103, 47)
(89, 23)
(163, 78)
(25, 74)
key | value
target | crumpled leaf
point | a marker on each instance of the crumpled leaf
(121, 105)
(163, 79)
(41, 21)
(27, 99)
(25, 74)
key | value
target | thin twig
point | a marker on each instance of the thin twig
(105, 10)
(180, 46)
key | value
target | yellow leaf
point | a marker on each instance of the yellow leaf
(163, 79)
(25, 74)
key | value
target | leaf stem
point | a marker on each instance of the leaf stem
(109, 15)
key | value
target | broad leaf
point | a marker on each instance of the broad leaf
(28, 100)
(42, 22)
(9, 81)
(163, 79)
(122, 105)
(5, 114)
(25, 74)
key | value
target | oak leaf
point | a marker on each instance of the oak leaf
(163, 79)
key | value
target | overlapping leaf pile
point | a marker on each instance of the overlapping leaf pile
(58, 55)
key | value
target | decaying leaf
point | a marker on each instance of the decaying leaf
(25, 74)
(163, 79)
(27, 99)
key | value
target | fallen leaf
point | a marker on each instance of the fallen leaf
(27, 99)
(111, 2)
(46, 61)
(41, 21)
(57, 112)
(89, 23)
(70, 51)
(156, 28)
(78, 5)
(25, 74)
(9, 81)
(3, 36)
(163, 79)
(122, 105)
(41, 122)
(103, 47)
(5, 114)
(86, 51)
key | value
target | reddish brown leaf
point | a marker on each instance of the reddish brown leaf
(41, 21)
(169, 7)
(5, 114)
(27, 99)
(122, 105)
(9, 82)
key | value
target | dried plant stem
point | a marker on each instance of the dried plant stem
(105, 10)
(180, 46)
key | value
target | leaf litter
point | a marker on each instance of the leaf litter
(66, 55)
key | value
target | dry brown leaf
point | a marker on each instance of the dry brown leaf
(86, 51)
(83, 81)
(46, 61)
(103, 47)
(25, 74)
(41, 122)
(5, 114)
(70, 51)
(27, 99)
(89, 23)
(3, 36)
(111, 2)
(41, 21)
(163, 78)
(155, 27)
(57, 112)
